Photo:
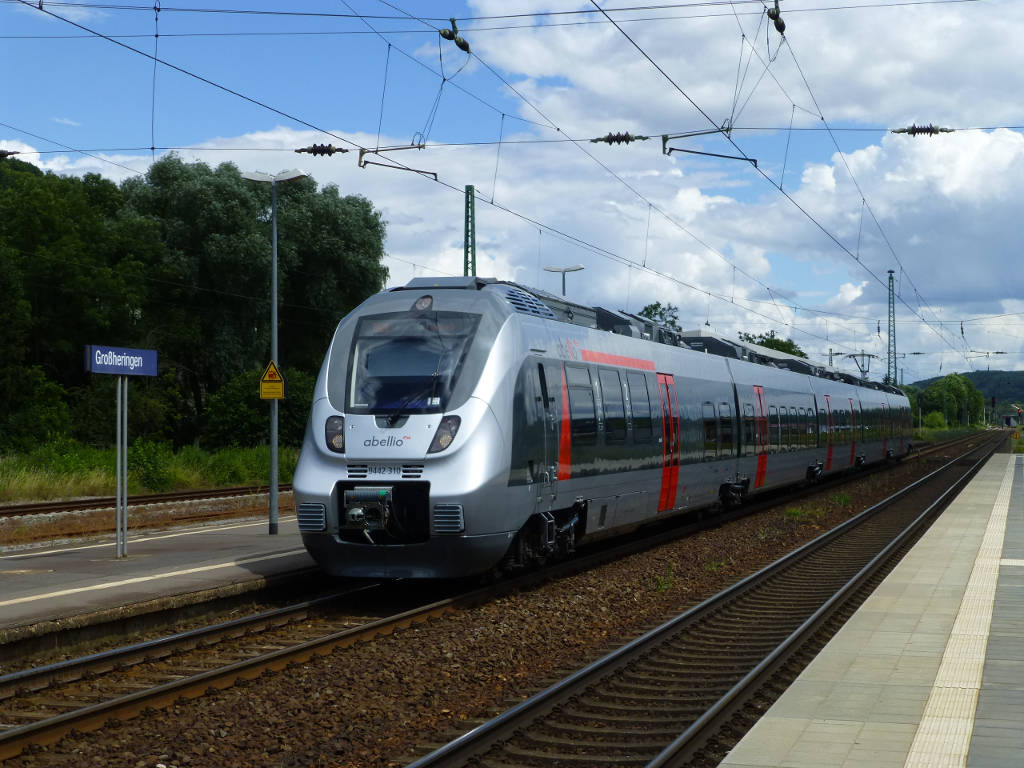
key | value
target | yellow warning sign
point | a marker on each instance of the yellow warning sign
(272, 383)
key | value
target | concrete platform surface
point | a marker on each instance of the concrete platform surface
(49, 583)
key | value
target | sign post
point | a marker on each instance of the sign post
(123, 363)
(272, 388)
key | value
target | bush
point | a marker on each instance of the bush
(236, 417)
(32, 409)
(150, 463)
(935, 420)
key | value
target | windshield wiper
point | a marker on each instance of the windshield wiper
(428, 391)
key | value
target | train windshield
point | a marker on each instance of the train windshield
(408, 362)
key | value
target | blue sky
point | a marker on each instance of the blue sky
(714, 236)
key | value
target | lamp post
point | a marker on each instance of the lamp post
(273, 179)
(563, 270)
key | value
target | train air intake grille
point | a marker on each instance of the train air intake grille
(312, 517)
(413, 471)
(527, 303)
(448, 518)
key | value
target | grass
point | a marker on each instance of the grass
(664, 584)
(803, 515)
(67, 469)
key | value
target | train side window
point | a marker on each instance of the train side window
(640, 400)
(774, 430)
(614, 408)
(710, 432)
(801, 426)
(822, 425)
(725, 429)
(749, 430)
(582, 408)
(576, 376)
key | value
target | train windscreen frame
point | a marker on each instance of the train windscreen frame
(404, 362)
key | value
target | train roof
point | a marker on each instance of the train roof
(539, 303)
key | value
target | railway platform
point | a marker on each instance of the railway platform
(930, 670)
(49, 587)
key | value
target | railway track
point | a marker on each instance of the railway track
(39, 706)
(661, 699)
(105, 502)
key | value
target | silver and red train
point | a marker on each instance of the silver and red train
(462, 425)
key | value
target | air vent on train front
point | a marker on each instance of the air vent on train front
(448, 518)
(526, 303)
(358, 471)
(412, 471)
(312, 517)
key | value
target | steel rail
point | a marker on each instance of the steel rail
(103, 502)
(473, 744)
(75, 669)
(47, 731)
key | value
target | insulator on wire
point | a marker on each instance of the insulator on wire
(927, 130)
(453, 35)
(320, 149)
(618, 138)
(776, 16)
(7, 153)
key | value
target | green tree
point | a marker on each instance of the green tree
(211, 318)
(667, 315)
(772, 341)
(956, 398)
(237, 416)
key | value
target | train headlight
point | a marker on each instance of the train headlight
(334, 432)
(446, 431)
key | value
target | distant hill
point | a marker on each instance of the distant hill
(1005, 386)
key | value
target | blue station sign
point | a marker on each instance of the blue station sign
(120, 361)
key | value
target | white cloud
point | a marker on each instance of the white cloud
(66, 121)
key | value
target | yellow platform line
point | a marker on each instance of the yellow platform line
(944, 734)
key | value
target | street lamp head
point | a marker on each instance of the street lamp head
(573, 268)
(282, 176)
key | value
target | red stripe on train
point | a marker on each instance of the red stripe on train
(564, 437)
(591, 356)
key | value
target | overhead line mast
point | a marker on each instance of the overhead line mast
(890, 376)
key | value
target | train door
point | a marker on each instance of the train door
(885, 431)
(762, 437)
(670, 441)
(550, 376)
(829, 434)
(853, 433)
